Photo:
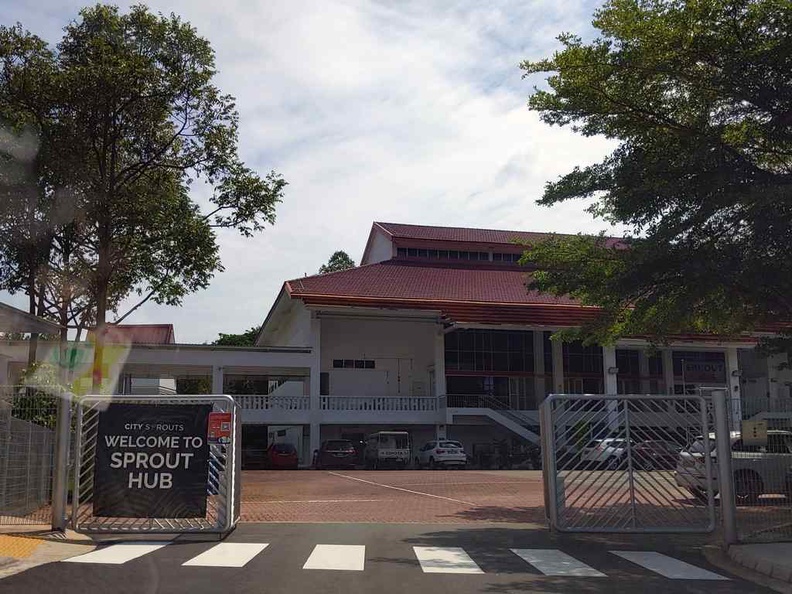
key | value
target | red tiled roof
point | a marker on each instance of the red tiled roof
(463, 234)
(394, 279)
(142, 333)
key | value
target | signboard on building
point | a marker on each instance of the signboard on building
(705, 371)
(152, 461)
(219, 427)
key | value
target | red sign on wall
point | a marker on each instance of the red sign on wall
(219, 427)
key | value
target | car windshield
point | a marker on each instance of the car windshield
(338, 444)
(450, 444)
(594, 443)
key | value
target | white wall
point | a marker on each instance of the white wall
(293, 324)
(381, 248)
(402, 350)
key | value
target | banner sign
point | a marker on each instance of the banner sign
(152, 461)
(705, 371)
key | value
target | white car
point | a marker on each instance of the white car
(608, 452)
(442, 452)
(758, 470)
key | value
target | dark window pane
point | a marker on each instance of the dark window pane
(338, 363)
(369, 364)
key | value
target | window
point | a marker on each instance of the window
(489, 350)
(582, 360)
(354, 364)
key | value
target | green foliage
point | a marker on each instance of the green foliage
(340, 260)
(698, 96)
(247, 338)
(194, 385)
(127, 117)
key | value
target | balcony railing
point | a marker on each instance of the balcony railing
(265, 402)
(378, 403)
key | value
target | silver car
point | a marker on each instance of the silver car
(608, 453)
(758, 470)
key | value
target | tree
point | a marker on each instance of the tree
(139, 118)
(699, 98)
(247, 338)
(340, 260)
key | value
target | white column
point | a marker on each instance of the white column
(611, 382)
(440, 383)
(439, 364)
(733, 381)
(558, 366)
(315, 382)
(538, 360)
(668, 370)
(643, 370)
(217, 379)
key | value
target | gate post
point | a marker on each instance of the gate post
(725, 479)
(60, 478)
(549, 472)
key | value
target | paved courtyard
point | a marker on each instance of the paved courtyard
(414, 496)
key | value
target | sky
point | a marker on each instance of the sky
(411, 112)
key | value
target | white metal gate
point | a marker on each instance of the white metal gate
(628, 463)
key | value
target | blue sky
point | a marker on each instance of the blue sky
(395, 111)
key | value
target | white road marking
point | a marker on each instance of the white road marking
(337, 557)
(353, 478)
(227, 554)
(118, 553)
(445, 560)
(668, 566)
(322, 501)
(555, 562)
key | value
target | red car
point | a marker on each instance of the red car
(282, 455)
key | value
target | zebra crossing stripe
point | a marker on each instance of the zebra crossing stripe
(117, 554)
(337, 557)
(445, 560)
(555, 562)
(227, 554)
(668, 566)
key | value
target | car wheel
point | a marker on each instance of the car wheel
(647, 464)
(747, 488)
(432, 464)
(612, 463)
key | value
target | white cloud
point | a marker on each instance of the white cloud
(407, 111)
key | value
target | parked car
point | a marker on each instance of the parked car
(335, 453)
(758, 470)
(282, 455)
(655, 455)
(443, 452)
(388, 449)
(607, 453)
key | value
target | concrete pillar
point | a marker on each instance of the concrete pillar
(733, 382)
(668, 370)
(558, 366)
(643, 370)
(611, 382)
(217, 379)
(539, 370)
(4, 370)
(315, 382)
(439, 364)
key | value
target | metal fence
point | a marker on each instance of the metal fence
(761, 459)
(627, 463)
(223, 488)
(28, 418)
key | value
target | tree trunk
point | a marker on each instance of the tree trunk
(99, 337)
(33, 344)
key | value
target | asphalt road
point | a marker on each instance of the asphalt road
(390, 559)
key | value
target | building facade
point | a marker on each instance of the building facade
(435, 333)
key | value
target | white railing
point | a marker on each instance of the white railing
(378, 403)
(265, 402)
